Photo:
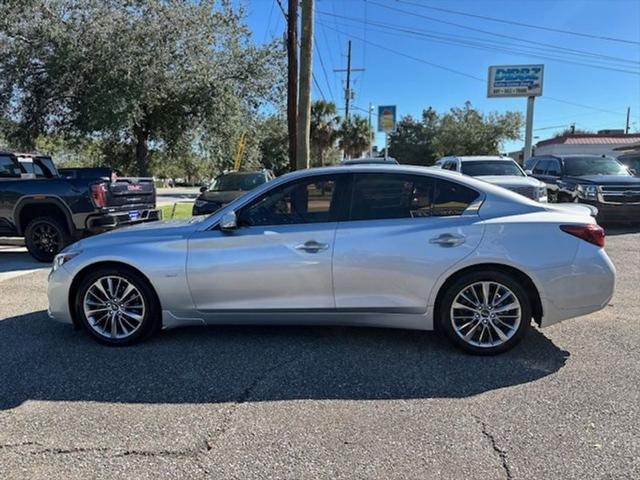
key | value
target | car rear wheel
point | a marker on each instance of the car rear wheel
(117, 306)
(485, 313)
(45, 237)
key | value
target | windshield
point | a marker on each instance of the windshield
(581, 166)
(477, 168)
(231, 182)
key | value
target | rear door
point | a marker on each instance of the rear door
(404, 231)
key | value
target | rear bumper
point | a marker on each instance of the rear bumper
(616, 213)
(585, 286)
(109, 221)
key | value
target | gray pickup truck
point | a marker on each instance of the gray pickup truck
(51, 211)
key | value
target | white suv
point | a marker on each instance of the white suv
(501, 171)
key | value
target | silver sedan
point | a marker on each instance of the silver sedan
(369, 245)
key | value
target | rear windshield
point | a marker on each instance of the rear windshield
(236, 182)
(491, 167)
(581, 166)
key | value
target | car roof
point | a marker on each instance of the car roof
(370, 161)
(479, 158)
(257, 172)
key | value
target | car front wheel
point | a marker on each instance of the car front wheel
(117, 306)
(485, 313)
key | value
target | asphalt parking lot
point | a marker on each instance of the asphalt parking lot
(249, 402)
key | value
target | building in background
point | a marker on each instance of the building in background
(605, 142)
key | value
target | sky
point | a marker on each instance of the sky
(441, 61)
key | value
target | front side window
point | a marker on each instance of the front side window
(8, 168)
(378, 196)
(529, 163)
(476, 168)
(553, 168)
(309, 200)
(541, 167)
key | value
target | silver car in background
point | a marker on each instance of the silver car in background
(378, 246)
(498, 170)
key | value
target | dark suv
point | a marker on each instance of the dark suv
(600, 181)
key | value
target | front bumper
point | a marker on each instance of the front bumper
(111, 220)
(615, 212)
(58, 295)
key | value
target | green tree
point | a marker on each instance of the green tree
(466, 131)
(355, 134)
(412, 142)
(324, 129)
(573, 131)
(148, 73)
(274, 145)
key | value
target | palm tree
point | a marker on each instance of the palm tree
(324, 129)
(355, 134)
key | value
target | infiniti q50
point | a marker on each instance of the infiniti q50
(368, 245)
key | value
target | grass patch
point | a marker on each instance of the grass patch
(183, 210)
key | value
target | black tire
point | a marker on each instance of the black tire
(151, 316)
(45, 237)
(445, 322)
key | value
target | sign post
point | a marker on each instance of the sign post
(518, 81)
(386, 124)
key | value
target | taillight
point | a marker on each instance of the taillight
(591, 233)
(99, 195)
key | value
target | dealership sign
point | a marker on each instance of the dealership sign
(387, 118)
(515, 81)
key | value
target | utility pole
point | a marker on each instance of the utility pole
(292, 80)
(370, 131)
(528, 134)
(304, 103)
(626, 128)
(347, 90)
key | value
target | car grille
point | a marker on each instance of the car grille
(529, 192)
(620, 193)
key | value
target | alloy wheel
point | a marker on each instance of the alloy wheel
(47, 239)
(114, 307)
(485, 314)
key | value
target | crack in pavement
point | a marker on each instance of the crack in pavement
(502, 454)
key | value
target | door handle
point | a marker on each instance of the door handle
(448, 240)
(312, 246)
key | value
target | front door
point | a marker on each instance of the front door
(279, 257)
(404, 232)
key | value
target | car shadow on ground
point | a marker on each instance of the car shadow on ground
(16, 259)
(44, 360)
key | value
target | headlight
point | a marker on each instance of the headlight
(63, 258)
(589, 192)
(541, 194)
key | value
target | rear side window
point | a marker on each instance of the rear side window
(8, 169)
(379, 196)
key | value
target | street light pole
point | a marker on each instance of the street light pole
(529, 128)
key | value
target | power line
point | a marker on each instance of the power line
(473, 41)
(486, 32)
(480, 46)
(402, 54)
(522, 24)
(324, 70)
(464, 74)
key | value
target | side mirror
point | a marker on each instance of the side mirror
(528, 172)
(203, 189)
(633, 171)
(229, 221)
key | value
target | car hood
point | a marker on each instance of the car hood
(143, 232)
(221, 197)
(511, 181)
(606, 179)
